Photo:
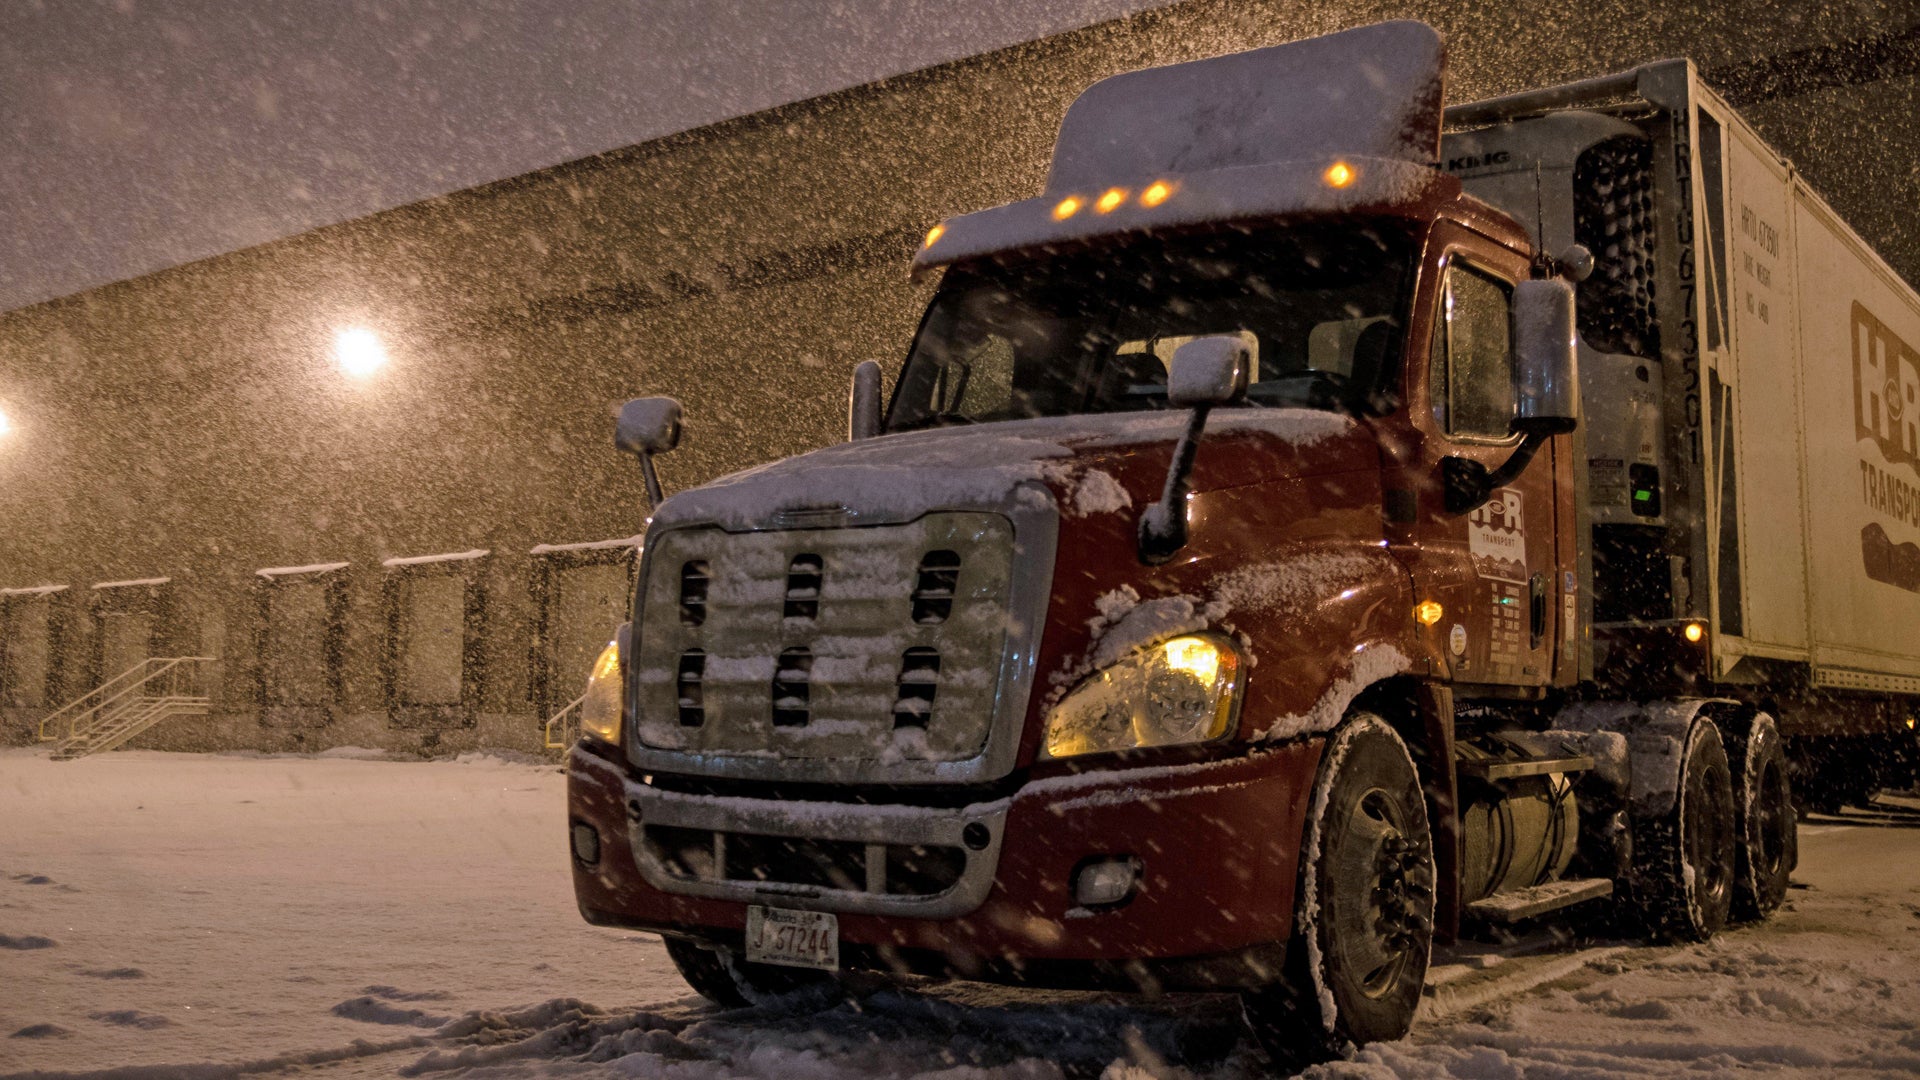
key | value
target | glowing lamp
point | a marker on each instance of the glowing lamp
(1111, 201)
(1694, 631)
(1339, 174)
(935, 233)
(359, 352)
(1429, 612)
(1066, 208)
(1155, 194)
(1196, 656)
(6, 425)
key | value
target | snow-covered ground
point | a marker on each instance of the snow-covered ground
(201, 917)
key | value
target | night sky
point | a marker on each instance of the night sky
(137, 135)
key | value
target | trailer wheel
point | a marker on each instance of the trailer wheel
(1364, 910)
(1685, 858)
(1769, 836)
(724, 979)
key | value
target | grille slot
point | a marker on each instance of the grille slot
(918, 870)
(803, 587)
(919, 680)
(933, 586)
(691, 684)
(791, 688)
(694, 577)
(686, 853)
(826, 864)
(845, 865)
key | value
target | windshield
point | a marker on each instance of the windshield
(1321, 307)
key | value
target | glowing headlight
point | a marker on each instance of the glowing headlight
(1183, 690)
(600, 709)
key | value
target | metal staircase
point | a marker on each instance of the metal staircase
(153, 690)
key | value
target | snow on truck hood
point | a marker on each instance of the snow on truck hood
(902, 477)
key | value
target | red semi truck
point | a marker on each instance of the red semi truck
(1312, 525)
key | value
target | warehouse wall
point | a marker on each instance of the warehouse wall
(191, 424)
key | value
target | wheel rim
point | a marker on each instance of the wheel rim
(1375, 929)
(1770, 813)
(1709, 841)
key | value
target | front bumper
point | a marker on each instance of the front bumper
(1218, 843)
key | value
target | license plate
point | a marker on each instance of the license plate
(808, 939)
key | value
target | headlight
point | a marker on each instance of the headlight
(600, 709)
(1182, 690)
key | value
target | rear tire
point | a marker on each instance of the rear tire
(1364, 912)
(1685, 858)
(1768, 833)
(724, 979)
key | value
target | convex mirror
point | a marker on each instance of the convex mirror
(648, 425)
(1211, 370)
(863, 402)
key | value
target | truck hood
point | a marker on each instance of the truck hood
(897, 478)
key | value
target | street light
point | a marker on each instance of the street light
(358, 351)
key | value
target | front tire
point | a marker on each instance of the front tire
(1364, 911)
(724, 979)
(1685, 858)
(706, 970)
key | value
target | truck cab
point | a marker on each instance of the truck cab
(1203, 611)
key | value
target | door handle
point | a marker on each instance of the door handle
(1537, 608)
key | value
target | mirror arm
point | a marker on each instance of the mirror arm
(652, 478)
(1516, 463)
(1163, 525)
(1469, 484)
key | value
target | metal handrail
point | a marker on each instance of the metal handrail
(111, 691)
(570, 708)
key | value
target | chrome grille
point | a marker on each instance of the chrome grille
(882, 641)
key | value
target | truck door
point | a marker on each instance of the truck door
(1494, 570)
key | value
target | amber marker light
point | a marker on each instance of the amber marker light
(1429, 612)
(1066, 208)
(1695, 631)
(934, 234)
(1155, 194)
(1111, 201)
(1339, 174)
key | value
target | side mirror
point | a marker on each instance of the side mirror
(648, 425)
(1546, 356)
(863, 402)
(1211, 370)
(645, 427)
(1547, 389)
(1205, 372)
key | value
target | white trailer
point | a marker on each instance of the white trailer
(1751, 389)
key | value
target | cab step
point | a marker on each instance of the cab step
(1512, 907)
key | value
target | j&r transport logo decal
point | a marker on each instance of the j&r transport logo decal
(1886, 410)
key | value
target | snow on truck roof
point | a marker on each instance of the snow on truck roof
(1333, 123)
